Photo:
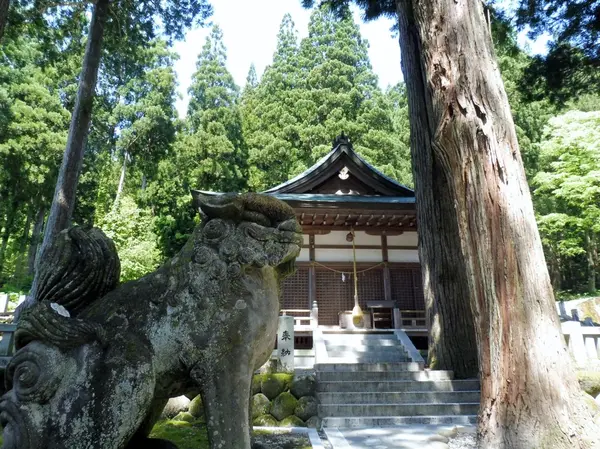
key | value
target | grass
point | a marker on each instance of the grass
(184, 434)
(192, 435)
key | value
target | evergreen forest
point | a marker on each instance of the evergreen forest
(141, 159)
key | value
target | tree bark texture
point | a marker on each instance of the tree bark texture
(35, 239)
(4, 6)
(530, 397)
(591, 261)
(8, 227)
(21, 259)
(452, 344)
(121, 182)
(68, 176)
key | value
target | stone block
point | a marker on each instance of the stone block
(307, 408)
(175, 406)
(283, 406)
(304, 386)
(196, 408)
(292, 421)
(265, 421)
(260, 405)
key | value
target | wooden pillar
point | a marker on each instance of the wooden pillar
(387, 280)
(312, 275)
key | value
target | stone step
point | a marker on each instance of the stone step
(357, 410)
(355, 336)
(364, 376)
(400, 397)
(367, 344)
(397, 385)
(377, 350)
(337, 357)
(368, 367)
(387, 421)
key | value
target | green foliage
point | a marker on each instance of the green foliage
(567, 190)
(313, 91)
(213, 143)
(33, 131)
(131, 228)
(571, 65)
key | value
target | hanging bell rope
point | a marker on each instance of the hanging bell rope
(358, 318)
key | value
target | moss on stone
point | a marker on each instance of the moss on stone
(256, 384)
(185, 417)
(589, 310)
(589, 382)
(272, 385)
(314, 422)
(260, 405)
(283, 406)
(292, 421)
(265, 421)
(196, 408)
(303, 386)
(186, 435)
(307, 408)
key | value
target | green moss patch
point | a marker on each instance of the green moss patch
(186, 435)
(589, 382)
(192, 435)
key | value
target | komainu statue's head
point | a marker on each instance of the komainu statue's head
(247, 230)
(45, 379)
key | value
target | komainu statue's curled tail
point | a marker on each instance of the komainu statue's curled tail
(79, 267)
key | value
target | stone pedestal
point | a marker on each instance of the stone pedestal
(3, 302)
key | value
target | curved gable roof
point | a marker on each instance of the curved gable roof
(343, 156)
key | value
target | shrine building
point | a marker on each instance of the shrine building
(353, 215)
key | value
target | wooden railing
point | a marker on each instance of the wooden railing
(412, 318)
(303, 321)
(583, 343)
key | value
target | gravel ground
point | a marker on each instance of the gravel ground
(463, 441)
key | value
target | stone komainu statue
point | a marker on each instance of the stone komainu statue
(96, 363)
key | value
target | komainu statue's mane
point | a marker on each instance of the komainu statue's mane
(80, 267)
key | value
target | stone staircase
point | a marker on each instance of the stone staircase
(370, 380)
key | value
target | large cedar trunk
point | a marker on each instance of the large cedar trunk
(530, 397)
(452, 344)
(35, 239)
(590, 253)
(4, 6)
(68, 176)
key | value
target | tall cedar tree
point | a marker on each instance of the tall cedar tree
(209, 152)
(137, 20)
(4, 6)
(271, 126)
(316, 90)
(145, 115)
(33, 134)
(214, 143)
(462, 126)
